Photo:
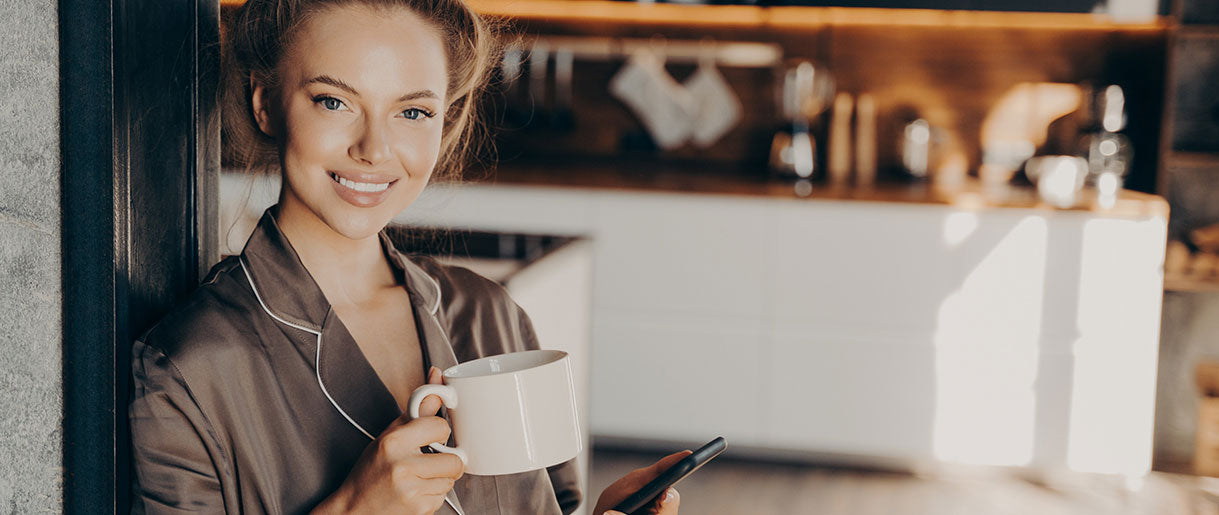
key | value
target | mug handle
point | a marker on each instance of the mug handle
(448, 396)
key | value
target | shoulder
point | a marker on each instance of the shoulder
(476, 308)
(217, 317)
(463, 289)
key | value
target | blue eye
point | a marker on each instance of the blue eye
(415, 113)
(329, 103)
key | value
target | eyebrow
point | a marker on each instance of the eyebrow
(331, 81)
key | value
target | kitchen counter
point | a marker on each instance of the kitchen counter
(970, 195)
(902, 326)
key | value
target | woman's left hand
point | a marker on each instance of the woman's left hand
(666, 503)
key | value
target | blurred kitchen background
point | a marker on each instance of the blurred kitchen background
(907, 256)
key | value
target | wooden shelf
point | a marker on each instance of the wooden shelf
(1190, 285)
(754, 17)
(1192, 159)
(1197, 31)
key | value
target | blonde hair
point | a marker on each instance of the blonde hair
(261, 31)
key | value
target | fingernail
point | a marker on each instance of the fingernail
(670, 494)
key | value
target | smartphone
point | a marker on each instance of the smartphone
(644, 496)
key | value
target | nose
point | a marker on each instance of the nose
(371, 147)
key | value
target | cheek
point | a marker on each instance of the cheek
(312, 141)
(418, 150)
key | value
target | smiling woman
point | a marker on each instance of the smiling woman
(280, 385)
(356, 112)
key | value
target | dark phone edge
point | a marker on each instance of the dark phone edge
(672, 475)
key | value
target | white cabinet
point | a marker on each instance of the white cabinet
(818, 381)
(677, 377)
(682, 254)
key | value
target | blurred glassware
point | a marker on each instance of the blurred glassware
(1059, 179)
(840, 139)
(916, 148)
(1108, 152)
(794, 153)
(865, 141)
(806, 91)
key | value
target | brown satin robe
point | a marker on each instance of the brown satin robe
(251, 397)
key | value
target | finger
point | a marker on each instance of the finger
(422, 431)
(441, 466)
(669, 461)
(432, 403)
(612, 512)
(667, 503)
(639, 477)
(430, 406)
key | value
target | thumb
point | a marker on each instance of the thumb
(612, 512)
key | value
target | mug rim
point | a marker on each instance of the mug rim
(554, 357)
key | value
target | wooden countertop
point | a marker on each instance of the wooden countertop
(660, 178)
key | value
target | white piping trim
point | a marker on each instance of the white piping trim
(436, 285)
(317, 359)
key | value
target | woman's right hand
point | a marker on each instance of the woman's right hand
(394, 475)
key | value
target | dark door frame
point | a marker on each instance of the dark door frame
(140, 144)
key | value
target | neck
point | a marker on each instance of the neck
(348, 271)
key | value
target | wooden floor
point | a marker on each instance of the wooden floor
(732, 486)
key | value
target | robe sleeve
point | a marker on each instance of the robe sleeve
(564, 477)
(174, 450)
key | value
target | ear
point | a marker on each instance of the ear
(259, 100)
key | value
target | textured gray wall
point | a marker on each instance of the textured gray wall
(31, 397)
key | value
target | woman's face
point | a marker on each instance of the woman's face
(358, 116)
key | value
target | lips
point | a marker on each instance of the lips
(361, 189)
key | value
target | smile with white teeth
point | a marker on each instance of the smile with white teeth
(367, 187)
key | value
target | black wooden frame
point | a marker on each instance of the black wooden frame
(140, 145)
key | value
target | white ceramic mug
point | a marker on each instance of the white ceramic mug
(510, 413)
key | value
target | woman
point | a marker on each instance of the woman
(279, 385)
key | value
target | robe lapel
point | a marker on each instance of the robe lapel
(350, 381)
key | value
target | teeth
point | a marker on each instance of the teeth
(367, 187)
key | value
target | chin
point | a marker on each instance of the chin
(357, 226)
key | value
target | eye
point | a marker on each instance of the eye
(415, 113)
(329, 103)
